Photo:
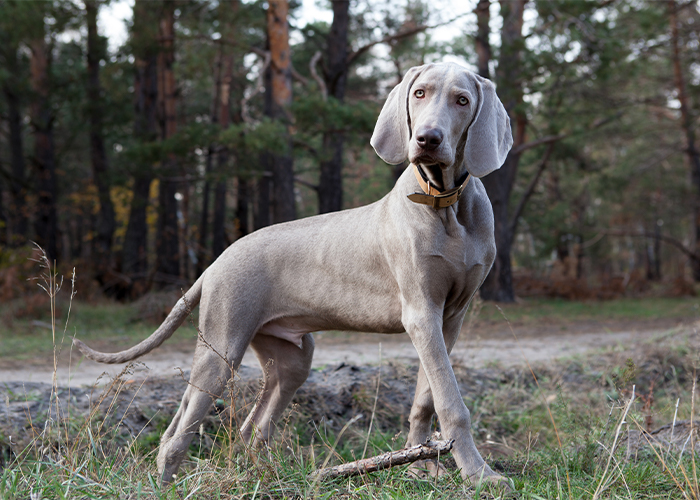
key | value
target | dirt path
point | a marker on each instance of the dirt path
(491, 347)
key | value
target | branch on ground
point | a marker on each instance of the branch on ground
(431, 449)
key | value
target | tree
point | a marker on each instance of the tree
(12, 85)
(330, 186)
(278, 95)
(687, 124)
(105, 221)
(145, 48)
(44, 163)
(168, 253)
(499, 185)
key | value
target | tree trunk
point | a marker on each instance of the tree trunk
(691, 151)
(483, 46)
(105, 220)
(168, 242)
(135, 250)
(202, 257)
(280, 98)
(330, 189)
(498, 285)
(219, 242)
(18, 206)
(46, 221)
(262, 194)
(242, 206)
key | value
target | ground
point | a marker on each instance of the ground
(529, 378)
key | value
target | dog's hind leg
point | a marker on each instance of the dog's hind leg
(218, 353)
(210, 372)
(285, 368)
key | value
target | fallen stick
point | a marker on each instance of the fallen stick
(431, 449)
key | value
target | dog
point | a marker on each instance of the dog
(410, 262)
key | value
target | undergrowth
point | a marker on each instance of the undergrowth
(606, 427)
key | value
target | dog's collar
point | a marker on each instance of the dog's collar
(433, 196)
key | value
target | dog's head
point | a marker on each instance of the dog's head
(441, 115)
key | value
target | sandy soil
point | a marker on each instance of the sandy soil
(490, 346)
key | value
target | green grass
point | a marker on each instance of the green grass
(563, 454)
(536, 311)
(108, 322)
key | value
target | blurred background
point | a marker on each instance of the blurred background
(140, 138)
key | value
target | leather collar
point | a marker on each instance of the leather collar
(433, 196)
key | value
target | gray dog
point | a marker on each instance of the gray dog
(409, 262)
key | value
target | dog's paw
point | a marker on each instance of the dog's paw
(491, 480)
(426, 469)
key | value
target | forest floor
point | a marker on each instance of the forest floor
(573, 364)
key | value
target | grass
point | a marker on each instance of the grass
(559, 311)
(569, 434)
(109, 323)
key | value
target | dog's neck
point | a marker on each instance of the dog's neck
(443, 179)
(431, 195)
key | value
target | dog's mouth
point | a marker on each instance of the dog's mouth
(433, 172)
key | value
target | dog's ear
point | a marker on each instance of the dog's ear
(489, 137)
(392, 132)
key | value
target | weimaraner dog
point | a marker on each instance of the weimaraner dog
(410, 262)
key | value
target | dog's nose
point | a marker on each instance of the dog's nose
(429, 138)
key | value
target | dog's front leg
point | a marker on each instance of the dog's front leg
(423, 407)
(425, 330)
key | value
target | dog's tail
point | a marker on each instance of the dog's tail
(176, 317)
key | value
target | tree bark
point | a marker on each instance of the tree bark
(280, 98)
(483, 46)
(202, 257)
(168, 242)
(691, 151)
(135, 252)
(262, 193)
(498, 285)
(46, 219)
(105, 219)
(243, 199)
(18, 191)
(330, 188)
(135, 249)
(219, 240)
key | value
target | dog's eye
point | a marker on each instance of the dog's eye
(420, 94)
(462, 101)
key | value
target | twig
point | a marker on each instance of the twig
(306, 183)
(397, 36)
(319, 81)
(429, 450)
(666, 239)
(530, 188)
(259, 86)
